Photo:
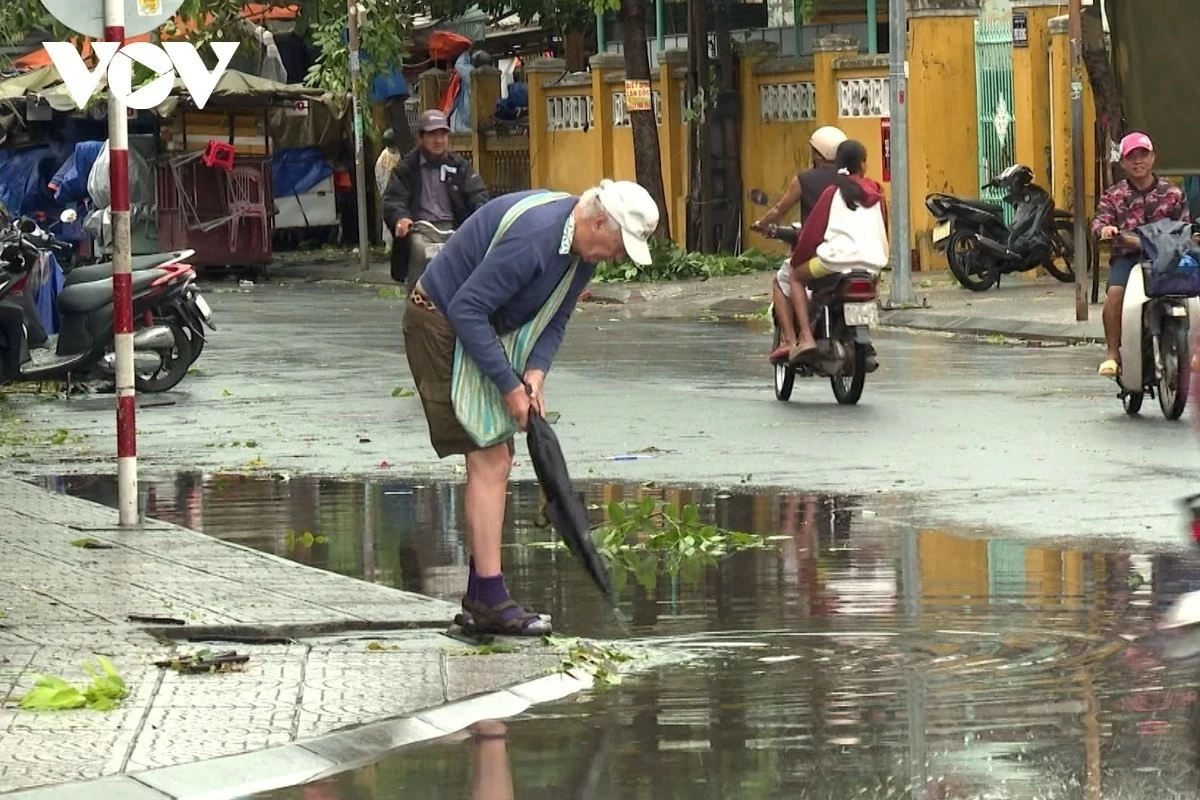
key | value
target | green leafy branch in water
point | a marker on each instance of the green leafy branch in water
(671, 262)
(601, 662)
(50, 693)
(642, 538)
(305, 540)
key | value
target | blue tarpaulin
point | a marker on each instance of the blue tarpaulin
(388, 86)
(24, 178)
(72, 177)
(296, 171)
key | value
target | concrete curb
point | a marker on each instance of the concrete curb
(230, 777)
(1073, 332)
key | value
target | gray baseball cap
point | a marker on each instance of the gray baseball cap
(433, 121)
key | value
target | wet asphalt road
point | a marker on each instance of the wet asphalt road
(1020, 440)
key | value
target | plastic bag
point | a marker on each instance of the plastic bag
(141, 180)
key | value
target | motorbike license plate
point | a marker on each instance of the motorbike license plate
(941, 232)
(202, 304)
(861, 315)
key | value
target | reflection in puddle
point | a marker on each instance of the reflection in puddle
(859, 658)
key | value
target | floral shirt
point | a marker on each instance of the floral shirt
(1127, 208)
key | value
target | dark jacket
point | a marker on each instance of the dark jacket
(403, 194)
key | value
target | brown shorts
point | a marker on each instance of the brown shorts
(429, 344)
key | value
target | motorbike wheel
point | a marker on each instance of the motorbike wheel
(967, 264)
(1132, 403)
(174, 367)
(1173, 388)
(785, 376)
(848, 387)
(1062, 245)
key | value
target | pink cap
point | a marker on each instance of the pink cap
(1135, 141)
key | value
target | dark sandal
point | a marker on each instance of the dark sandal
(481, 619)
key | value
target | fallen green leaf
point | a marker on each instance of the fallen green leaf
(400, 391)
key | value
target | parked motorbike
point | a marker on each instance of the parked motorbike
(83, 347)
(981, 248)
(430, 242)
(1155, 341)
(842, 310)
(190, 309)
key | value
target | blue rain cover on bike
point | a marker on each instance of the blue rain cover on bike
(1173, 256)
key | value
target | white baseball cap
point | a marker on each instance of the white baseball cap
(632, 207)
(826, 141)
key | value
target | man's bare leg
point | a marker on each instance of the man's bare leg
(484, 504)
(1114, 300)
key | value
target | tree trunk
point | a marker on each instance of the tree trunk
(647, 157)
(575, 51)
(728, 128)
(1109, 109)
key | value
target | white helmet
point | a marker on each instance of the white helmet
(826, 141)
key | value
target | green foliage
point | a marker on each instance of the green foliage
(645, 538)
(601, 662)
(305, 540)
(51, 693)
(671, 262)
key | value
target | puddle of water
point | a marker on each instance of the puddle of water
(856, 659)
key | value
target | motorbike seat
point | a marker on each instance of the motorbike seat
(825, 289)
(98, 272)
(84, 297)
(980, 205)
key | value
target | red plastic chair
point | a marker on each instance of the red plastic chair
(247, 200)
(219, 154)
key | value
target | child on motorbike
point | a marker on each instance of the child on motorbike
(847, 230)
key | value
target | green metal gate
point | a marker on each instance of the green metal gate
(994, 100)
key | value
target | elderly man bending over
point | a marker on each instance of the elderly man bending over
(480, 331)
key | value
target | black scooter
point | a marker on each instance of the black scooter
(980, 247)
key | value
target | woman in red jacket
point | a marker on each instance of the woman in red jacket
(847, 231)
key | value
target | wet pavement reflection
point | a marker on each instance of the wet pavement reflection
(859, 658)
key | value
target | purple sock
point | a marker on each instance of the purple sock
(472, 580)
(491, 591)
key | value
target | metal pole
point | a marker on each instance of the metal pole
(118, 176)
(902, 289)
(601, 42)
(1081, 263)
(660, 25)
(360, 156)
(873, 27)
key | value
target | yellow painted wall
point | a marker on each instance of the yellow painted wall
(943, 134)
(1031, 89)
(572, 161)
(943, 118)
(1060, 125)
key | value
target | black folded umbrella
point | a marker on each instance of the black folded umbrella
(565, 507)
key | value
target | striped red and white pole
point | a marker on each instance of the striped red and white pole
(118, 146)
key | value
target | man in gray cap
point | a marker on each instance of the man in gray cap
(433, 184)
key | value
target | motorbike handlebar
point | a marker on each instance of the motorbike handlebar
(429, 226)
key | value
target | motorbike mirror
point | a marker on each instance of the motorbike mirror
(68, 216)
(759, 198)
